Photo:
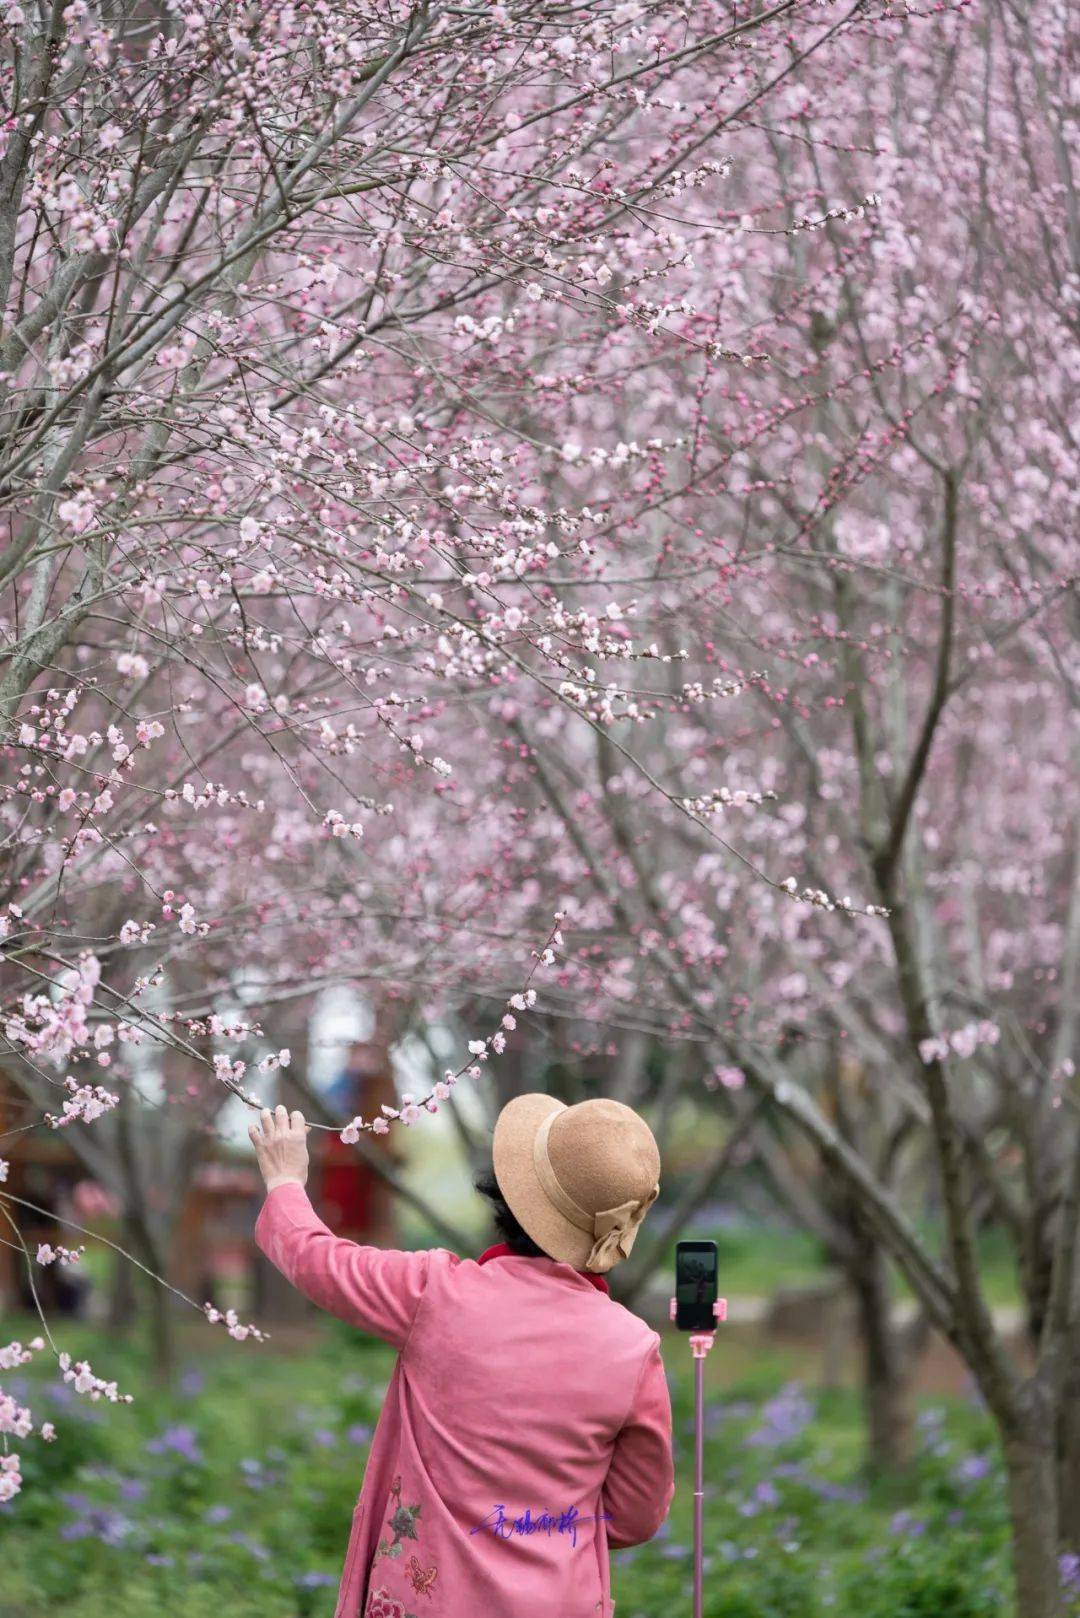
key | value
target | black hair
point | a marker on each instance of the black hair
(518, 1241)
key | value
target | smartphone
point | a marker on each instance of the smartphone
(695, 1285)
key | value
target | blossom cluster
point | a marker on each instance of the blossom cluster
(232, 1324)
(411, 1110)
(87, 1102)
(58, 1254)
(16, 1420)
(960, 1042)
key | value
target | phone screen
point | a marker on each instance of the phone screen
(695, 1285)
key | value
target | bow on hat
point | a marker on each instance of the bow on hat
(614, 1229)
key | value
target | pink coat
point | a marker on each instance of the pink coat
(526, 1427)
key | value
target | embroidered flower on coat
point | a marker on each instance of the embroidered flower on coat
(381, 1604)
(402, 1521)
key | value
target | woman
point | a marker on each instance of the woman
(527, 1425)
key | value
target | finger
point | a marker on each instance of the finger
(298, 1123)
(254, 1135)
(281, 1119)
(267, 1123)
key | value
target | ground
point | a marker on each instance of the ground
(232, 1494)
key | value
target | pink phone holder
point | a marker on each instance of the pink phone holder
(702, 1341)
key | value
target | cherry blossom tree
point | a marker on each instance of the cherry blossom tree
(299, 301)
(512, 506)
(887, 572)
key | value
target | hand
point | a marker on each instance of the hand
(281, 1147)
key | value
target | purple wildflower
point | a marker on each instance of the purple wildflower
(111, 1527)
(178, 1439)
(783, 1418)
(971, 1468)
(904, 1523)
(1069, 1572)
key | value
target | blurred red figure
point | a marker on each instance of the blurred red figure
(349, 1194)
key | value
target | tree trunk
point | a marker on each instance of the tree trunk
(122, 1301)
(1031, 1467)
(1068, 1462)
(162, 1333)
(156, 1298)
(886, 1384)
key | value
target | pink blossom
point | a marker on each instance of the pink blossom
(10, 1476)
(78, 512)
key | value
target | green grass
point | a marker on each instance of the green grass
(234, 1498)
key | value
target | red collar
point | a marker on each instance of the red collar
(501, 1250)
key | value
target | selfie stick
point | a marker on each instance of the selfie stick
(700, 1344)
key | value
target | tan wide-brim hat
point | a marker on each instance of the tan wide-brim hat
(579, 1180)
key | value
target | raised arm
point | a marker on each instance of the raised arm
(640, 1483)
(378, 1291)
